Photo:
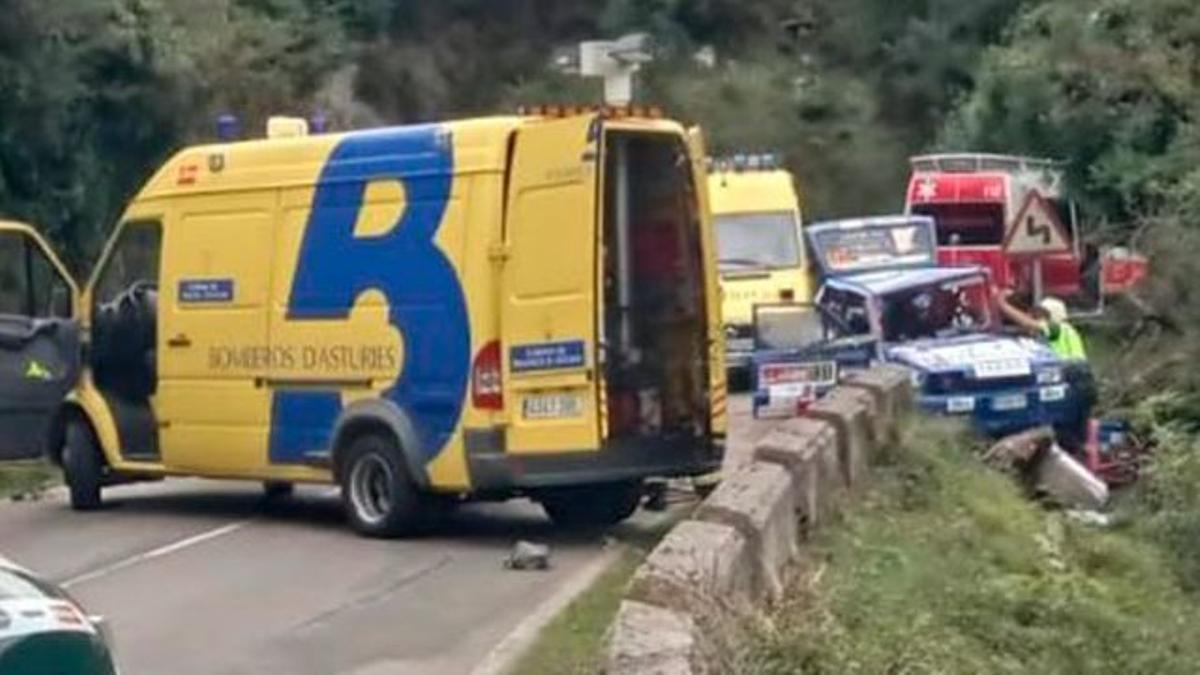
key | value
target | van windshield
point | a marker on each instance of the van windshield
(750, 241)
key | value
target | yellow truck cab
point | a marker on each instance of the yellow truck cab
(476, 309)
(760, 250)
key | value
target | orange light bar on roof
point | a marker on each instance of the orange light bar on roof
(606, 111)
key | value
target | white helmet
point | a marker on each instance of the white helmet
(1054, 308)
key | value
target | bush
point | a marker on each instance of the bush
(1167, 508)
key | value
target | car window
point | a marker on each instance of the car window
(13, 274)
(845, 313)
(793, 326)
(50, 294)
(134, 258)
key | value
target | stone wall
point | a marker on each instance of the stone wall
(733, 554)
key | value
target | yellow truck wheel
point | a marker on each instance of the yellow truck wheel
(380, 498)
(83, 466)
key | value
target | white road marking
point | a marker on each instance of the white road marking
(159, 552)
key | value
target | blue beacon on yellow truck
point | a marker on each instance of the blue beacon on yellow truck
(472, 309)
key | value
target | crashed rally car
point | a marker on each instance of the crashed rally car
(883, 298)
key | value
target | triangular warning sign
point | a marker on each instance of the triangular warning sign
(1036, 230)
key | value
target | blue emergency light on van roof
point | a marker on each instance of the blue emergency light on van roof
(228, 127)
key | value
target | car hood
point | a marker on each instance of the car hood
(980, 355)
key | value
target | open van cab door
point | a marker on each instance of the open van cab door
(39, 340)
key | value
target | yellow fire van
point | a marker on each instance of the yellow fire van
(476, 309)
(760, 250)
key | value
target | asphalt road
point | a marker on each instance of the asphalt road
(207, 577)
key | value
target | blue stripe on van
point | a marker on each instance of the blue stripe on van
(426, 299)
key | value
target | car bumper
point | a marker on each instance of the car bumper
(998, 413)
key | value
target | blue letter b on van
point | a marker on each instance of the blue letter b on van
(424, 296)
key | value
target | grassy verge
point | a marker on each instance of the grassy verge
(574, 641)
(946, 567)
(23, 477)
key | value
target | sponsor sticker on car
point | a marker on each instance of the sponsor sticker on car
(1052, 394)
(997, 368)
(1009, 402)
(960, 404)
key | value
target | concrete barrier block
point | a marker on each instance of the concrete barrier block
(807, 448)
(891, 387)
(759, 501)
(649, 639)
(850, 414)
(695, 569)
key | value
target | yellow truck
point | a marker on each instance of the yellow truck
(476, 309)
(760, 250)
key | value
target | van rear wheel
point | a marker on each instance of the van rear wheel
(591, 506)
(83, 466)
(379, 496)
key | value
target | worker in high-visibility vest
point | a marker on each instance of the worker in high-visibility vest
(1048, 321)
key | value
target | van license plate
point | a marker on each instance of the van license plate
(551, 406)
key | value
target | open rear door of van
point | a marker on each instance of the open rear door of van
(550, 287)
(39, 340)
(718, 386)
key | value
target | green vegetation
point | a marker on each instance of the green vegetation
(99, 92)
(23, 478)
(574, 641)
(947, 567)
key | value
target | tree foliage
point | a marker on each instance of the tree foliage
(99, 92)
(1110, 87)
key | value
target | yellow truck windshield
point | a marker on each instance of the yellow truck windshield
(756, 241)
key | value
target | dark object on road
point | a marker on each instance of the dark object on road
(43, 630)
(527, 555)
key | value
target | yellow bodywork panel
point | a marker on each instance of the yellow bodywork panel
(548, 313)
(301, 279)
(718, 386)
(760, 244)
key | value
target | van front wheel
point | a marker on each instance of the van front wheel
(591, 506)
(379, 497)
(83, 466)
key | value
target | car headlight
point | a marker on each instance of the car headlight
(1050, 376)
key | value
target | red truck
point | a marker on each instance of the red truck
(975, 200)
